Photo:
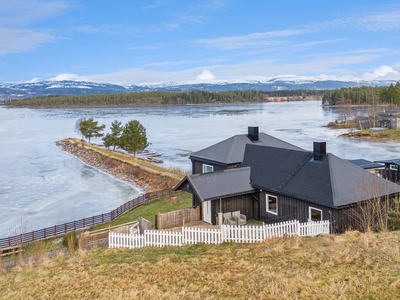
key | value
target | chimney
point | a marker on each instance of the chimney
(253, 133)
(319, 150)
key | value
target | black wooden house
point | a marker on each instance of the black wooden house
(391, 170)
(274, 184)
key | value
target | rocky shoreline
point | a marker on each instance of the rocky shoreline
(144, 180)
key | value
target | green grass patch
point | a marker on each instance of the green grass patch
(390, 133)
(149, 210)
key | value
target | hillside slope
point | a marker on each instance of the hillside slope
(350, 266)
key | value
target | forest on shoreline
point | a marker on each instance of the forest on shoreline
(365, 95)
(165, 98)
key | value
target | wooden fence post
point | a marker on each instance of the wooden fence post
(93, 220)
(65, 227)
(74, 225)
(33, 235)
(102, 218)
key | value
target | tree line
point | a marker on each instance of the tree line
(131, 137)
(156, 98)
(363, 95)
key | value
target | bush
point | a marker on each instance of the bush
(70, 241)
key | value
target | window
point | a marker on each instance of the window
(207, 168)
(394, 167)
(315, 214)
(272, 204)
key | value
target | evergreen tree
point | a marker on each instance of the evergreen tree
(113, 139)
(133, 137)
(89, 129)
(77, 125)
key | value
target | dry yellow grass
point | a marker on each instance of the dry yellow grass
(127, 159)
(350, 266)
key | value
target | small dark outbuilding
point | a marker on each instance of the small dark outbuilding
(391, 170)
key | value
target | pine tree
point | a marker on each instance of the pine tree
(89, 129)
(133, 137)
(113, 139)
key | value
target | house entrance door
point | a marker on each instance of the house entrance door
(207, 212)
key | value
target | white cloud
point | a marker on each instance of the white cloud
(373, 19)
(17, 14)
(107, 28)
(14, 40)
(23, 12)
(68, 76)
(206, 75)
(33, 80)
(259, 69)
(383, 72)
(252, 40)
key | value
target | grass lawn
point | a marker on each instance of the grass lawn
(348, 266)
(146, 210)
(379, 136)
(149, 210)
(127, 159)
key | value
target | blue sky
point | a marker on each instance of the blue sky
(137, 42)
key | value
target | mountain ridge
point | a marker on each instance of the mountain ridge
(69, 87)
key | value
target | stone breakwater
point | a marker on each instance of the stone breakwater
(135, 175)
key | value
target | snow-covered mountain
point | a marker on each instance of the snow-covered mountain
(51, 88)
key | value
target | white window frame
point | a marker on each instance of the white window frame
(205, 165)
(309, 213)
(267, 204)
(394, 167)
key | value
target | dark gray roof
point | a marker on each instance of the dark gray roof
(333, 182)
(222, 184)
(389, 161)
(231, 150)
(365, 164)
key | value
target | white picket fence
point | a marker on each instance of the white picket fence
(227, 233)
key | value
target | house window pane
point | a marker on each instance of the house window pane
(272, 204)
(208, 168)
(315, 214)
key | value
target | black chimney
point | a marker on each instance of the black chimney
(319, 150)
(253, 133)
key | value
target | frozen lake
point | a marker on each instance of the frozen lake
(44, 186)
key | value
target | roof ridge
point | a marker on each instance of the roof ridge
(295, 171)
(235, 138)
(331, 177)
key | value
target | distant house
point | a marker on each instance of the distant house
(390, 120)
(275, 184)
(391, 171)
(370, 166)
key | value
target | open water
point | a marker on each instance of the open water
(42, 186)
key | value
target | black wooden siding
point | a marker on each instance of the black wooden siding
(245, 203)
(290, 209)
(391, 175)
(342, 219)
